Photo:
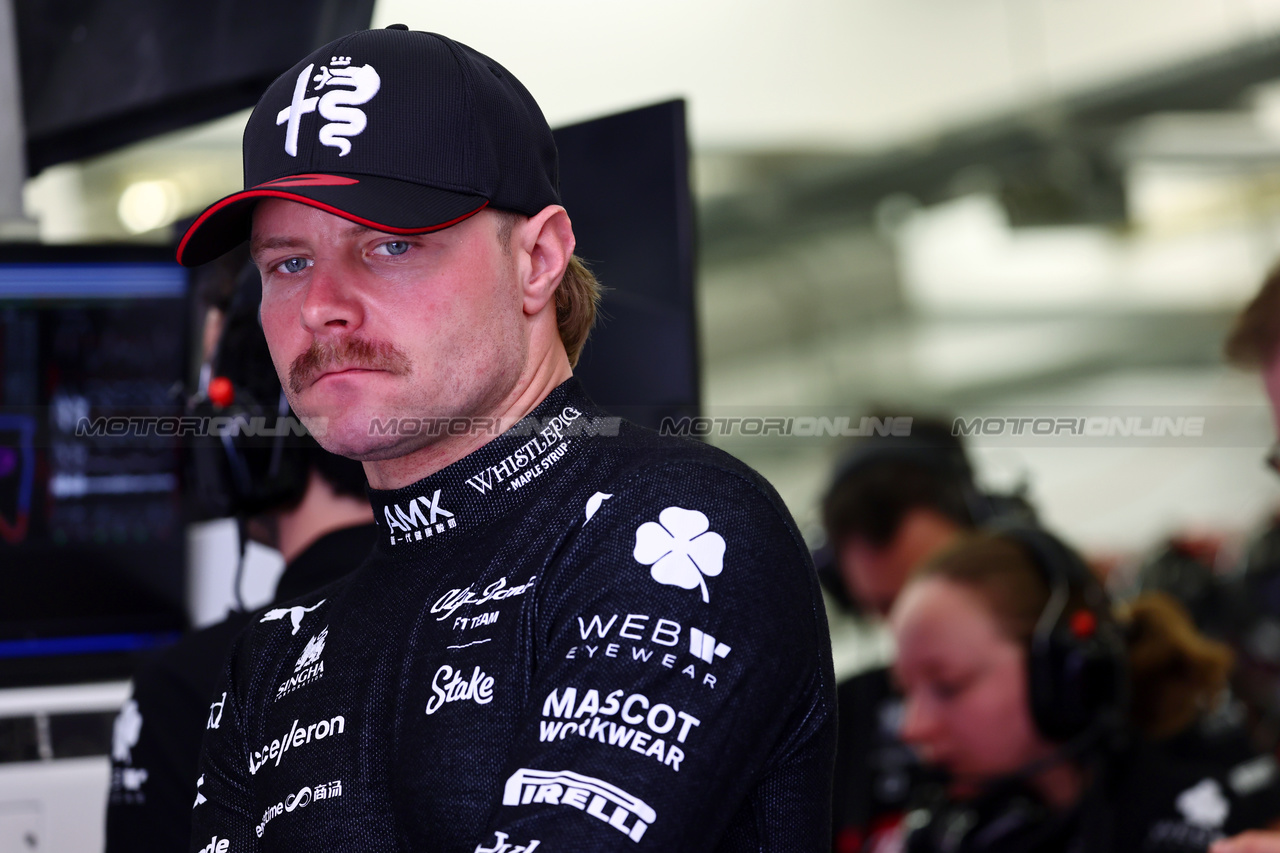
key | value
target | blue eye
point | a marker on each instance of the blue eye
(293, 265)
(396, 247)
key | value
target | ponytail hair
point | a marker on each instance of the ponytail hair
(1175, 672)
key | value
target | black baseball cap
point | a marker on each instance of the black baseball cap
(404, 132)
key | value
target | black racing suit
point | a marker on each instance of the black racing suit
(1141, 799)
(157, 743)
(581, 637)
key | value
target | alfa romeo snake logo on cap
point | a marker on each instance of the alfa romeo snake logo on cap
(348, 85)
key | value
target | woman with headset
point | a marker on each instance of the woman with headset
(1054, 726)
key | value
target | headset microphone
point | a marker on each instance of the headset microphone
(254, 457)
(1004, 812)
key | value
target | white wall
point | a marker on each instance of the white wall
(828, 73)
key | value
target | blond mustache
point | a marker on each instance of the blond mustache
(345, 354)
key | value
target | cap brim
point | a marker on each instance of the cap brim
(383, 204)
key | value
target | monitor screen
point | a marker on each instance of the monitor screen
(625, 181)
(98, 74)
(93, 353)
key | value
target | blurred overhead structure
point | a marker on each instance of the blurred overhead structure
(1085, 248)
(1051, 163)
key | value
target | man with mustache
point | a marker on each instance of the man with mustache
(573, 634)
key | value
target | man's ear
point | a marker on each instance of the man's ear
(546, 242)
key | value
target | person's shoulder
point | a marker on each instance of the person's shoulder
(671, 525)
(636, 454)
(195, 662)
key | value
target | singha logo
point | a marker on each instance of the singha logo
(315, 648)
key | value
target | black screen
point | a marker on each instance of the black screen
(625, 181)
(98, 74)
(92, 544)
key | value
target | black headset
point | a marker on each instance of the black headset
(1077, 675)
(259, 458)
(1077, 664)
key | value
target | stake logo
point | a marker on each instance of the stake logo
(415, 524)
(131, 778)
(629, 815)
(349, 87)
(127, 781)
(449, 686)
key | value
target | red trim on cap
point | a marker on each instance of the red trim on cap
(327, 208)
(313, 180)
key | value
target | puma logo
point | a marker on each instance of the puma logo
(295, 614)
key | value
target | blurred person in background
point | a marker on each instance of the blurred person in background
(894, 502)
(1254, 344)
(307, 503)
(1183, 567)
(1046, 717)
(1255, 632)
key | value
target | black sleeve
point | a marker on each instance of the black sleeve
(683, 694)
(221, 813)
(156, 743)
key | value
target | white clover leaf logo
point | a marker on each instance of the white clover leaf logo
(680, 550)
(1204, 805)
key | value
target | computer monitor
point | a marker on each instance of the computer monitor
(624, 179)
(93, 356)
(98, 74)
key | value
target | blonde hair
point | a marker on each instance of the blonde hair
(1175, 672)
(577, 294)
